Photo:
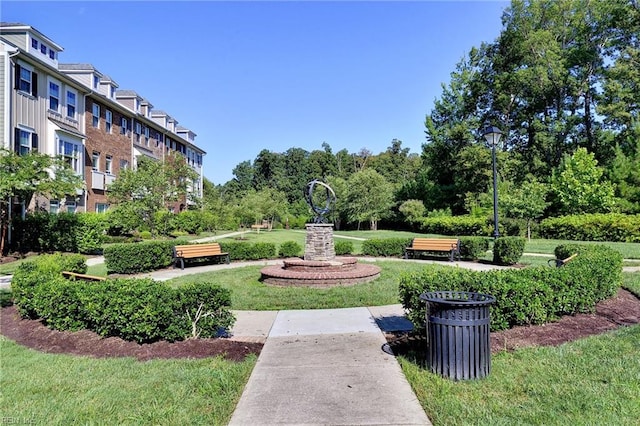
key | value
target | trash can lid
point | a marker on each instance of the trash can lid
(457, 298)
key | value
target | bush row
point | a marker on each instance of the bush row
(533, 295)
(471, 248)
(593, 227)
(141, 310)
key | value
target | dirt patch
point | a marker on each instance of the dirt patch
(33, 334)
(621, 310)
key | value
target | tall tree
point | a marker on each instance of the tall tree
(370, 198)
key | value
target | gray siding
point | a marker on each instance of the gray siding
(3, 91)
(19, 40)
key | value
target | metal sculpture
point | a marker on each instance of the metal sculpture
(320, 212)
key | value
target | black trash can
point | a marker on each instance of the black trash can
(458, 334)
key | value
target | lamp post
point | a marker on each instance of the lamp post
(493, 135)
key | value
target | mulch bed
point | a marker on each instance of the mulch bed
(35, 335)
(621, 310)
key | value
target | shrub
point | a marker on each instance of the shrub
(473, 248)
(289, 249)
(138, 257)
(141, 310)
(57, 301)
(508, 250)
(523, 296)
(202, 309)
(6, 297)
(91, 232)
(243, 250)
(30, 274)
(45, 232)
(592, 227)
(343, 247)
(387, 247)
(455, 225)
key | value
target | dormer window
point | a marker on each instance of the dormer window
(52, 54)
(137, 105)
(43, 49)
(113, 92)
(34, 43)
(96, 81)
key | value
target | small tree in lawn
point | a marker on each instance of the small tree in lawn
(579, 187)
(22, 176)
(139, 194)
(526, 202)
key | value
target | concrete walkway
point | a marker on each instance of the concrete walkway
(326, 367)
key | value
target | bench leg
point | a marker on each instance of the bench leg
(228, 259)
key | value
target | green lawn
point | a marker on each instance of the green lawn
(64, 389)
(248, 293)
(592, 381)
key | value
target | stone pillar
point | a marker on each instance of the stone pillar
(319, 245)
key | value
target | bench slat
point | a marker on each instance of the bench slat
(192, 251)
(435, 244)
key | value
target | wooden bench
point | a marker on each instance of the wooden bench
(561, 262)
(193, 251)
(85, 277)
(452, 246)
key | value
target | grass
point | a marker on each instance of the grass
(631, 281)
(592, 381)
(248, 293)
(628, 250)
(64, 389)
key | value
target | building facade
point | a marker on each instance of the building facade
(77, 112)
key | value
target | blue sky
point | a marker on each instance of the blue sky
(247, 76)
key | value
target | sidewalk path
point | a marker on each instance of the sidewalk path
(328, 367)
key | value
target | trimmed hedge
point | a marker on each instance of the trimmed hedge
(523, 296)
(141, 310)
(138, 257)
(289, 249)
(387, 247)
(593, 227)
(31, 273)
(455, 225)
(343, 247)
(473, 248)
(243, 250)
(508, 250)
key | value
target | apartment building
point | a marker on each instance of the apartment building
(76, 111)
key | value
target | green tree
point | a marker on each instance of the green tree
(370, 198)
(525, 202)
(149, 188)
(22, 176)
(413, 210)
(579, 187)
(267, 204)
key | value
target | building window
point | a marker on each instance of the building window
(25, 141)
(108, 120)
(95, 161)
(137, 105)
(146, 136)
(158, 139)
(107, 164)
(54, 206)
(101, 207)
(52, 54)
(54, 96)
(43, 49)
(34, 43)
(71, 104)
(138, 131)
(124, 164)
(96, 115)
(123, 126)
(96, 82)
(70, 206)
(113, 92)
(26, 80)
(70, 153)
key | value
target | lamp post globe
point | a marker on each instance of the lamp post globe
(493, 135)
